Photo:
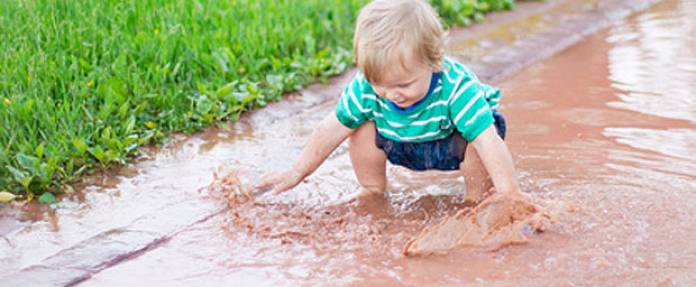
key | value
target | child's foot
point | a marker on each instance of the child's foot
(368, 193)
(474, 197)
(371, 203)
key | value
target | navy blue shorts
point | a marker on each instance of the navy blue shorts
(442, 154)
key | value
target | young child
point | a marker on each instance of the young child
(411, 105)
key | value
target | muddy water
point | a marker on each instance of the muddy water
(609, 125)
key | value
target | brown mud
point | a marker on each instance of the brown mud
(498, 221)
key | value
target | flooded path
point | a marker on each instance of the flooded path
(608, 124)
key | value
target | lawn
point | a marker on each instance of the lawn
(84, 84)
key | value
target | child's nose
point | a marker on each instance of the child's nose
(392, 96)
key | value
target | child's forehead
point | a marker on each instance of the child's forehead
(395, 74)
(401, 69)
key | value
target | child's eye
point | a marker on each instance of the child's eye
(403, 85)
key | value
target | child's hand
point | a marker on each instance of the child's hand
(279, 181)
(325, 138)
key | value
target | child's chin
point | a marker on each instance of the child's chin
(403, 105)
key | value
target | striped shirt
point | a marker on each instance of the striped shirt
(457, 101)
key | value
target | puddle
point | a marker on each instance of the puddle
(608, 125)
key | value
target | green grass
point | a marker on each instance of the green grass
(83, 83)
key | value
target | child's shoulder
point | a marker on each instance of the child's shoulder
(456, 72)
(360, 85)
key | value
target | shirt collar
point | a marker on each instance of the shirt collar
(433, 83)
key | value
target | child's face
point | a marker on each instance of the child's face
(405, 87)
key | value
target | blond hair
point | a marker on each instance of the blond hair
(388, 31)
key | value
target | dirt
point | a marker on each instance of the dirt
(496, 222)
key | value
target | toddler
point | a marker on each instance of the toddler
(411, 105)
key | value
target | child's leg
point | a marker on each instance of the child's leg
(478, 182)
(369, 162)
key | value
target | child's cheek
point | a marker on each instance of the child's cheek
(414, 92)
(379, 91)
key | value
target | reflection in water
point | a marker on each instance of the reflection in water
(653, 61)
(682, 142)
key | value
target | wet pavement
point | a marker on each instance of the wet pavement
(608, 124)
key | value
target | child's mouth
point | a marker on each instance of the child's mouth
(401, 104)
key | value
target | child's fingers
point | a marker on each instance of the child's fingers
(262, 190)
(262, 185)
(280, 188)
(276, 191)
(266, 181)
(279, 181)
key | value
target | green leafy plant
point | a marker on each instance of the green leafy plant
(84, 83)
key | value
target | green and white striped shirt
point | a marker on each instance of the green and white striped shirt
(458, 100)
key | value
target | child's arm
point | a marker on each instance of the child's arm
(497, 159)
(326, 137)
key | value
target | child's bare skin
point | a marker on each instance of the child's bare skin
(489, 154)
(403, 81)
(412, 106)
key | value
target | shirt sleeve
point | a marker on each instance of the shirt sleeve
(469, 109)
(351, 109)
(492, 96)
